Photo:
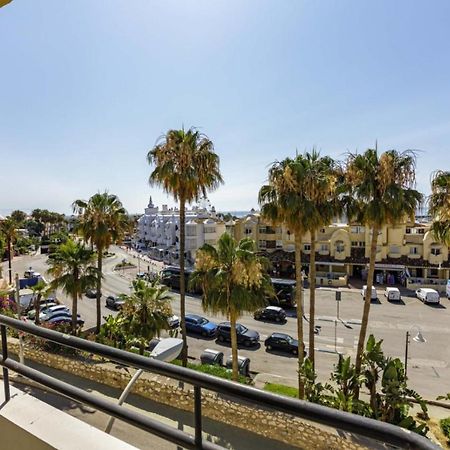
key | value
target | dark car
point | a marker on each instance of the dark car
(65, 318)
(282, 342)
(200, 325)
(170, 276)
(244, 335)
(91, 293)
(114, 301)
(272, 313)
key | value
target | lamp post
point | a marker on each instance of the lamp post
(417, 338)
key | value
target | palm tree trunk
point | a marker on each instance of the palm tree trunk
(9, 261)
(299, 300)
(184, 352)
(99, 287)
(312, 296)
(37, 308)
(367, 300)
(75, 303)
(234, 347)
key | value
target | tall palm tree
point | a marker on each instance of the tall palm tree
(39, 290)
(146, 312)
(234, 280)
(322, 205)
(103, 221)
(8, 229)
(284, 200)
(72, 270)
(439, 206)
(187, 168)
(382, 188)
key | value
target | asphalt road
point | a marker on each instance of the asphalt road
(428, 363)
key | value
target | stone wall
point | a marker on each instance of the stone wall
(274, 425)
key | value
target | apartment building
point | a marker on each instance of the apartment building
(159, 235)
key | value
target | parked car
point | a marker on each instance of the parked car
(392, 294)
(65, 318)
(428, 295)
(447, 289)
(30, 273)
(91, 293)
(273, 313)
(114, 301)
(283, 342)
(200, 325)
(174, 322)
(170, 276)
(373, 295)
(244, 335)
(284, 292)
(43, 309)
(53, 311)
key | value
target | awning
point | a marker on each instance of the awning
(397, 267)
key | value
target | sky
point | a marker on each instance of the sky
(87, 87)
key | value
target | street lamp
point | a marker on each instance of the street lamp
(417, 338)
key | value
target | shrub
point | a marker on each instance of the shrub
(445, 427)
(281, 389)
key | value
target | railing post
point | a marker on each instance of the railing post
(5, 356)
(198, 416)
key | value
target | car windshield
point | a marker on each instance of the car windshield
(289, 339)
(203, 321)
(241, 329)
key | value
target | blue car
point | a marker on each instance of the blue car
(200, 325)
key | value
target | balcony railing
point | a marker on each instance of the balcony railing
(362, 426)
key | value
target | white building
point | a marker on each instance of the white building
(158, 231)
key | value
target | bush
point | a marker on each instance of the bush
(281, 389)
(445, 427)
(214, 370)
(53, 347)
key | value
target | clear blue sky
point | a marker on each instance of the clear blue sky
(87, 86)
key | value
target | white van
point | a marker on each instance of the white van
(374, 295)
(428, 295)
(392, 294)
(447, 289)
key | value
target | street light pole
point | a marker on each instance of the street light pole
(406, 353)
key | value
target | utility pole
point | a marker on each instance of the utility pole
(19, 316)
(406, 353)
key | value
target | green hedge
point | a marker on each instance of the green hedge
(445, 427)
(281, 389)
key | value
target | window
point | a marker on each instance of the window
(307, 247)
(408, 231)
(248, 231)
(362, 244)
(323, 247)
(340, 247)
(357, 229)
(322, 230)
(421, 230)
(413, 251)
(262, 244)
(210, 229)
(262, 230)
(354, 243)
(436, 251)
(279, 244)
(394, 249)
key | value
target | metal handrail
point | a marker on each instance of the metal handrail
(352, 423)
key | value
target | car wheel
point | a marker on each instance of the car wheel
(247, 343)
(269, 347)
(204, 334)
(221, 338)
(277, 319)
(295, 351)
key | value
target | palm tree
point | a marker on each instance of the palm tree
(8, 229)
(284, 201)
(72, 269)
(322, 205)
(439, 206)
(40, 289)
(187, 168)
(146, 312)
(234, 280)
(382, 190)
(103, 221)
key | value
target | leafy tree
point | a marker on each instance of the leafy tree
(234, 280)
(8, 230)
(187, 168)
(72, 270)
(382, 188)
(146, 312)
(439, 206)
(103, 221)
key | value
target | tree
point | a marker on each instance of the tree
(72, 270)
(439, 206)
(40, 289)
(284, 201)
(18, 217)
(187, 168)
(103, 221)
(8, 230)
(382, 190)
(146, 312)
(234, 280)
